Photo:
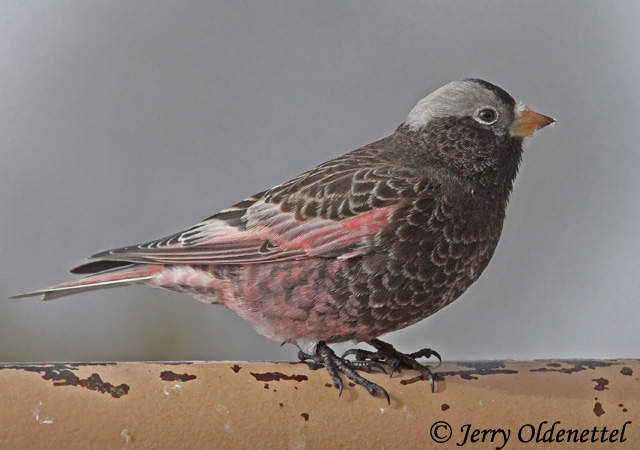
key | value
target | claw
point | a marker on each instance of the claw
(374, 388)
(379, 366)
(426, 353)
(398, 361)
(351, 351)
(335, 364)
(365, 365)
(386, 395)
(360, 354)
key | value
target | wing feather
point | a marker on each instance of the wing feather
(334, 210)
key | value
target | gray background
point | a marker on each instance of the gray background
(124, 121)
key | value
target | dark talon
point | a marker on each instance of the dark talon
(365, 365)
(397, 361)
(360, 354)
(334, 365)
(386, 395)
(351, 351)
(426, 353)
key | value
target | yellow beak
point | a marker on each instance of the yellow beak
(528, 123)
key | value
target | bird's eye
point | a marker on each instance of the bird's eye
(486, 115)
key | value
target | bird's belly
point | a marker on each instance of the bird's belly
(341, 300)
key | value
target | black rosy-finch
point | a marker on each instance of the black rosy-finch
(360, 246)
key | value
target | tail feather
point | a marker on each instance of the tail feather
(99, 266)
(111, 278)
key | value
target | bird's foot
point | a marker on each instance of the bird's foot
(336, 364)
(397, 361)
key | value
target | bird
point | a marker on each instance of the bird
(363, 245)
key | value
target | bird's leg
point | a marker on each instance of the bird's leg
(397, 361)
(336, 364)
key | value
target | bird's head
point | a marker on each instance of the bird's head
(473, 126)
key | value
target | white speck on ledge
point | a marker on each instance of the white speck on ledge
(39, 416)
(168, 389)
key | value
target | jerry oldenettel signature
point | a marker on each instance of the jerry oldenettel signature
(544, 432)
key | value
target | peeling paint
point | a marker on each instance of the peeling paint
(578, 365)
(597, 409)
(477, 368)
(61, 375)
(168, 375)
(601, 384)
(628, 371)
(277, 376)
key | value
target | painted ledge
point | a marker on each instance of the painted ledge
(281, 405)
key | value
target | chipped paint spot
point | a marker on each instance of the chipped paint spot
(277, 376)
(477, 368)
(444, 407)
(352, 384)
(227, 428)
(281, 405)
(61, 375)
(236, 368)
(168, 375)
(381, 410)
(305, 416)
(328, 385)
(628, 371)
(39, 415)
(578, 366)
(597, 409)
(266, 385)
(601, 384)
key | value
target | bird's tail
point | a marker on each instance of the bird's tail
(111, 278)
